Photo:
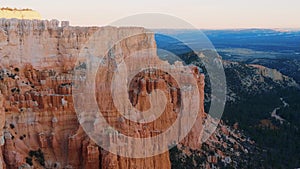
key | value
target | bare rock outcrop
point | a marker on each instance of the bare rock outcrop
(19, 13)
(39, 125)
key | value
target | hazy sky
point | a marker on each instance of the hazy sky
(213, 14)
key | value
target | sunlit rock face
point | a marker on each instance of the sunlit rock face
(19, 13)
(39, 125)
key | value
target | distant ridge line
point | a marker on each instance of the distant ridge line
(15, 9)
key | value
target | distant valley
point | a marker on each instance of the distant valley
(276, 49)
(262, 70)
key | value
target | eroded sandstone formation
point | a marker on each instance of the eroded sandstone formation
(19, 13)
(39, 125)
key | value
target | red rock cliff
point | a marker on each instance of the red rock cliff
(39, 126)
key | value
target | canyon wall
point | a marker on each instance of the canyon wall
(39, 126)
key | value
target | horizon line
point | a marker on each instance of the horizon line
(204, 28)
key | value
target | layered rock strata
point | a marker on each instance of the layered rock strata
(19, 13)
(39, 126)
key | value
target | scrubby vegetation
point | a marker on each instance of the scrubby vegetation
(255, 97)
(37, 155)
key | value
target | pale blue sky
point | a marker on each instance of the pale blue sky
(212, 14)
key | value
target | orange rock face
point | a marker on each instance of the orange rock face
(37, 111)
